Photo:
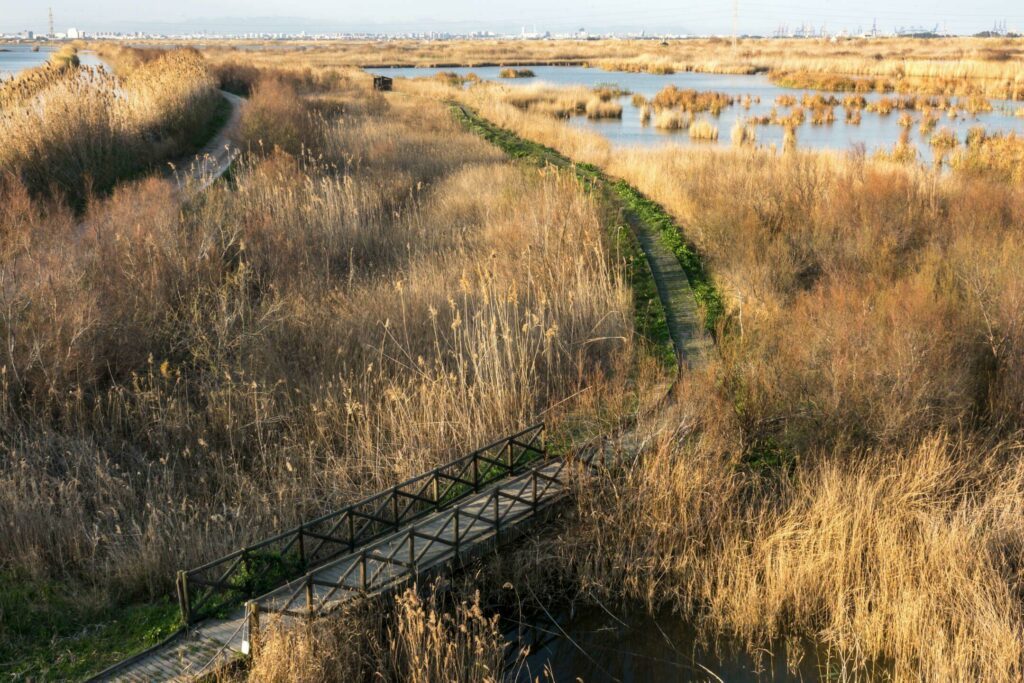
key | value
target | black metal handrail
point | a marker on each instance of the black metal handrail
(459, 530)
(212, 587)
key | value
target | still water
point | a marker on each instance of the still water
(15, 58)
(597, 646)
(875, 130)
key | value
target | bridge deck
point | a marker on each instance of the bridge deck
(387, 563)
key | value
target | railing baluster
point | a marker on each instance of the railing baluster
(309, 596)
(351, 531)
(412, 552)
(497, 519)
(458, 540)
(184, 600)
(245, 570)
(252, 624)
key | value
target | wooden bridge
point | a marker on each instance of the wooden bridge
(417, 528)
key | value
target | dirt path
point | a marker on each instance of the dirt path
(197, 172)
(685, 325)
(685, 322)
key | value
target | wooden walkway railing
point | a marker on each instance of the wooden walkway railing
(209, 590)
(462, 525)
(422, 547)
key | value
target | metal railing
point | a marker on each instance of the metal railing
(210, 589)
(423, 546)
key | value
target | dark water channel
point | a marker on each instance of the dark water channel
(597, 646)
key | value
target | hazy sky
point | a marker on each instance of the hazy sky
(654, 16)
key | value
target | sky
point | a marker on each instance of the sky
(596, 16)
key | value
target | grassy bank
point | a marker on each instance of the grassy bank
(71, 131)
(650, 314)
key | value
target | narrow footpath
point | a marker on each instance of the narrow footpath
(450, 534)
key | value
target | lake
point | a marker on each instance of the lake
(875, 130)
(16, 58)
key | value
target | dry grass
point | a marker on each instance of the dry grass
(70, 130)
(993, 156)
(743, 134)
(703, 130)
(691, 100)
(177, 382)
(848, 469)
(895, 561)
(672, 119)
(417, 640)
(598, 108)
(949, 66)
(516, 73)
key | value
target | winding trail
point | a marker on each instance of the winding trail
(450, 535)
(685, 324)
(196, 172)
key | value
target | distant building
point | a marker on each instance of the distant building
(74, 34)
(27, 35)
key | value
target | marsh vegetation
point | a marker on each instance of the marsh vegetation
(375, 287)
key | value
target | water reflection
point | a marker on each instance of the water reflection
(874, 131)
(597, 646)
(17, 58)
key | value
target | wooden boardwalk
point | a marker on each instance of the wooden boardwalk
(424, 547)
(416, 529)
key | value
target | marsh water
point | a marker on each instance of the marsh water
(15, 58)
(598, 646)
(874, 132)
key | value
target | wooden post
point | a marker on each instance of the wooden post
(302, 549)
(412, 552)
(252, 620)
(362, 571)
(309, 596)
(536, 502)
(457, 539)
(433, 486)
(184, 604)
(476, 473)
(497, 519)
(394, 504)
(351, 531)
(511, 448)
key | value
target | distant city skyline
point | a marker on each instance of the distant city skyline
(762, 17)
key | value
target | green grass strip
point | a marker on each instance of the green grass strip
(708, 298)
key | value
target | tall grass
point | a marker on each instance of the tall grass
(72, 130)
(178, 382)
(846, 469)
(417, 640)
(894, 561)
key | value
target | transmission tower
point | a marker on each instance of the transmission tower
(735, 22)
(52, 32)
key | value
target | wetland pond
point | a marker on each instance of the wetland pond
(875, 131)
(597, 646)
(15, 58)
